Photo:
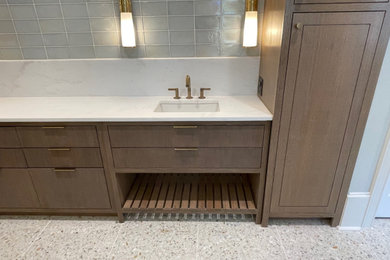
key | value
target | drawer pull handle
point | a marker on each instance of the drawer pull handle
(64, 170)
(185, 126)
(53, 127)
(58, 149)
(186, 149)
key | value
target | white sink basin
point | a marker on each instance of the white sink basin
(188, 106)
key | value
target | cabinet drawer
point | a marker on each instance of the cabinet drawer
(186, 136)
(8, 137)
(201, 158)
(68, 136)
(16, 189)
(63, 157)
(12, 158)
(78, 188)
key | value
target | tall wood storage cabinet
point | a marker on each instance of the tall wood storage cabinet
(320, 63)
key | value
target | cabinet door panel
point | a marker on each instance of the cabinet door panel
(83, 188)
(328, 68)
(16, 189)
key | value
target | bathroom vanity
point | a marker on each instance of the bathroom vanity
(136, 160)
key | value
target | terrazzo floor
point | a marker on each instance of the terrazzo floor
(186, 237)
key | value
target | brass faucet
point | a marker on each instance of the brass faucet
(188, 86)
(202, 90)
(176, 92)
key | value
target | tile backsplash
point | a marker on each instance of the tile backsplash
(79, 29)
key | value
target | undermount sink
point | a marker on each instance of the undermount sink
(188, 106)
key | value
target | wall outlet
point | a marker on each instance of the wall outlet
(260, 85)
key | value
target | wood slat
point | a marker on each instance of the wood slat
(249, 197)
(241, 196)
(132, 193)
(201, 196)
(163, 194)
(140, 193)
(225, 196)
(194, 196)
(148, 192)
(186, 196)
(170, 195)
(233, 196)
(175, 193)
(217, 196)
(178, 194)
(156, 192)
(209, 196)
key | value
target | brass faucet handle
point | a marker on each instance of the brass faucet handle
(202, 90)
(176, 92)
(188, 81)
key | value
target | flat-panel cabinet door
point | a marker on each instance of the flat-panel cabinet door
(71, 188)
(17, 190)
(329, 63)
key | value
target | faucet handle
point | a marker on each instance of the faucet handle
(176, 92)
(202, 90)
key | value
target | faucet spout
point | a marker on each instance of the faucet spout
(188, 86)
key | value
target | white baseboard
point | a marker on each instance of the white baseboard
(349, 228)
(355, 210)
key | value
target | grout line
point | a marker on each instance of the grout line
(13, 24)
(40, 30)
(143, 29)
(195, 43)
(281, 243)
(169, 32)
(35, 238)
(66, 31)
(90, 28)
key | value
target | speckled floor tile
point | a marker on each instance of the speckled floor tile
(156, 240)
(186, 237)
(75, 237)
(17, 234)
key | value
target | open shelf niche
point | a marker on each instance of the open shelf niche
(187, 193)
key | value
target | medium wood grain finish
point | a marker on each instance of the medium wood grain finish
(58, 136)
(12, 158)
(67, 157)
(325, 79)
(81, 188)
(186, 136)
(191, 194)
(9, 137)
(200, 158)
(17, 190)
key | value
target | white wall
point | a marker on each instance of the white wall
(372, 145)
(128, 77)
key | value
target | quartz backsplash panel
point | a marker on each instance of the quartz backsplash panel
(128, 77)
(79, 29)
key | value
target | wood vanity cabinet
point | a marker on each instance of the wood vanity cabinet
(52, 169)
(106, 168)
(188, 167)
(320, 64)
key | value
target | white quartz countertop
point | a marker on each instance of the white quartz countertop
(125, 109)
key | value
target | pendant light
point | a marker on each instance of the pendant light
(127, 24)
(250, 24)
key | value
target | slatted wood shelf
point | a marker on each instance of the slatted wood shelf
(191, 193)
